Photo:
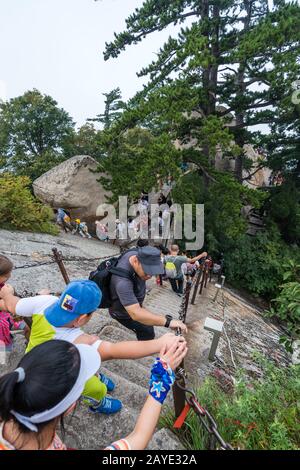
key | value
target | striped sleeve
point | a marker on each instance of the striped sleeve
(122, 444)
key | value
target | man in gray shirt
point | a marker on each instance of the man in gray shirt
(178, 261)
(127, 295)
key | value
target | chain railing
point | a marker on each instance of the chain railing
(65, 258)
(185, 398)
(207, 420)
(178, 393)
(203, 275)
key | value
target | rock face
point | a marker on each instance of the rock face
(72, 185)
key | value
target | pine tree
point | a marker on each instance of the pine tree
(113, 107)
(224, 74)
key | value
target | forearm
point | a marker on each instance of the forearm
(143, 315)
(202, 255)
(145, 425)
(8, 303)
(128, 349)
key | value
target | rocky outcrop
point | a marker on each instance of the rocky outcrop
(73, 185)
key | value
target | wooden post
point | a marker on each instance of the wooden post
(178, 393)
(188, 289)
(59, 260)
(199, 274)
(206, 272)
(210, 268)
(202, 280)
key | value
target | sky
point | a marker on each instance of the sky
(57, 47)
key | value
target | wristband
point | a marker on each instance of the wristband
(162, 378)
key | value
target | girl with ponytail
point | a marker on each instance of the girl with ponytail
(49, 380)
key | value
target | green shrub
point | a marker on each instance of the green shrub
(286, 306)
(261, 415)
(18, 208)
(256, 263)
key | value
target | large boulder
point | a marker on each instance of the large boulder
(73, 186)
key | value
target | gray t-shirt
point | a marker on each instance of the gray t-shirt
(125, 292)
(178, 261)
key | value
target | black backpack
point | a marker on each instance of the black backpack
(102, 277)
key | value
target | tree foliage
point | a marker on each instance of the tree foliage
(141, 159)
(226, 79)
(19, 210)
(33, 131)
(257, 263)
(232, 60)
(286, 305)
(84, 141)
(113, 108)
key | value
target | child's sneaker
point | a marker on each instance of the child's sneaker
(107, 406)
(108, 382)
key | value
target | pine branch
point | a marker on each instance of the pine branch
(260, 167)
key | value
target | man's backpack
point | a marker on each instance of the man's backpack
(102, 277)
(171, 270)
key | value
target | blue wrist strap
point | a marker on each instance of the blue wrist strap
(162, 378)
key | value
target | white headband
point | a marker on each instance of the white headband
(86, 371)
(21, 373)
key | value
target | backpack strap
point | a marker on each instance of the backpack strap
(122, 273)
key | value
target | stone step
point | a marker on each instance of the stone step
(88, 431)
(164, 440)
(129, 392)
(114, 427)
(130, 369)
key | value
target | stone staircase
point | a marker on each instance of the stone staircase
(245, 327)
(87, 431)
(248, 332)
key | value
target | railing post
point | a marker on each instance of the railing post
(219, 287)
(216, 327)
(199, 274)
(210, 273)
(202, 279)
(178, 393)
(59, 260)
(188, 289)
(206, 267)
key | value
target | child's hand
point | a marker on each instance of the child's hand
(167, 341)
(6, 290)
(175, 354)
(175, 324)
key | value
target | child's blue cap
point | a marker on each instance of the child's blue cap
(79, 298)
